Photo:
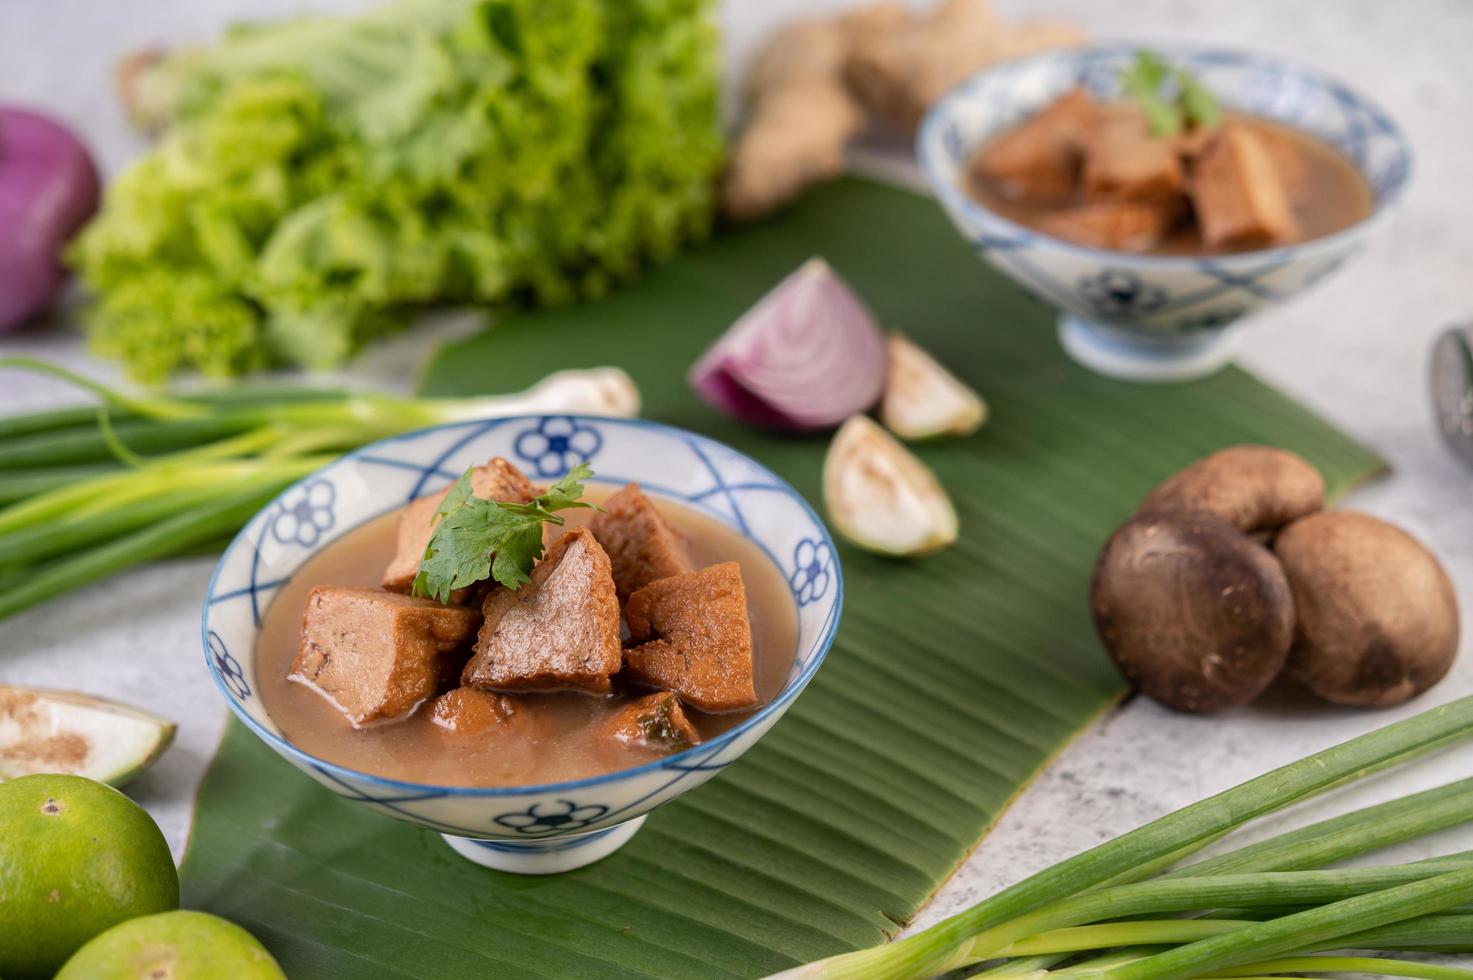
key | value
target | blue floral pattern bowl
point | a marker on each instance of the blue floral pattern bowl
(532, 829)
(1156, 318)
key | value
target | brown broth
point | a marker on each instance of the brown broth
(1336, 195)
(416, 750)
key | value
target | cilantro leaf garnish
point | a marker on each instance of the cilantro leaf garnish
(1197, 103)
(1142, 80)
(477, 539)
(1185, 102)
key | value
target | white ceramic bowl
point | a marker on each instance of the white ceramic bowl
(1156, 318)
(559, 826)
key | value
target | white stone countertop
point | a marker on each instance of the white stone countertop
(1356, 350)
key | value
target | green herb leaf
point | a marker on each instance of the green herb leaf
(1188, 103)
(568, 491)
(1142, 81)
(478, 539)
(460, 493)
(1197, 103)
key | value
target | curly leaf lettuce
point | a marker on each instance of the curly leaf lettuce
(322, 178)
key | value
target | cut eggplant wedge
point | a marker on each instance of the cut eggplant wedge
(922, 399)
(59, 731)
(881, 497)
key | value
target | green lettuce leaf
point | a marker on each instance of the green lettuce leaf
(324, 178)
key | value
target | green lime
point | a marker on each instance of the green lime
(76, 857)
(174, 946)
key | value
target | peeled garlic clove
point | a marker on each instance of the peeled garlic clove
(922, 399)
(881, 497)
(60, 731)
(594, 391)
(591, 391)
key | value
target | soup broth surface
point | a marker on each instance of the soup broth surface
(568, 744)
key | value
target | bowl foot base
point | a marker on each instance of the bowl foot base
(548, 855)
(1128, 356)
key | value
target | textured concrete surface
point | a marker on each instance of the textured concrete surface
(1356, 350)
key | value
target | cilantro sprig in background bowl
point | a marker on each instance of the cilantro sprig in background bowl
(559, 826)
(1158, 317)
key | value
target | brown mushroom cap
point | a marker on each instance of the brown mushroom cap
(1377, 615)
(1193, 612)
(1253, 488)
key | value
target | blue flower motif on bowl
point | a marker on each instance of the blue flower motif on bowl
(227, 668)
(305, 515)
(810, 578)
(1120, 293)
(555, 817)
(556, 444)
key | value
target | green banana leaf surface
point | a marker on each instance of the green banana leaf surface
(954, 680)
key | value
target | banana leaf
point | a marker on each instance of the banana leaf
(954, 679)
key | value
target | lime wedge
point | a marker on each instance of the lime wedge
(65, 732)
(881, 497)
(922, 399)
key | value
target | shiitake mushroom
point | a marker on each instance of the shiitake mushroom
(1194, 613)
(1253, 488)
(1377, 615)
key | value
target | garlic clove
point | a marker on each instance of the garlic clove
(592, 391)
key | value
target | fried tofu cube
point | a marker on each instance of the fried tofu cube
(560, 631)
(1038, 161)
(656, 722)
(1192, 142)
(1120, 226)
(1124, 162)
(1238, 193)
(694, 638)
(1285, 150)
(377, 655)
(497, 480)
(640, 544)
(467, 711)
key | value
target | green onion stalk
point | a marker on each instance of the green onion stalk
(86, 492)
(1245, 913)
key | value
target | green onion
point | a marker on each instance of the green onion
(1292, 932)
(1439, 933)
(20, 484)
(1433, 933)
(1351, 835)
(1079, 939)
(86, 492)
(1060, 896)
(1358, 964)
(167, 537)
(1176, 894)
(34, 544)
(78, 446)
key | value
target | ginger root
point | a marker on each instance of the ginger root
(801, 116)
(819, 81)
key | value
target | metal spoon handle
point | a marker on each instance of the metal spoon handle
(1452, 389)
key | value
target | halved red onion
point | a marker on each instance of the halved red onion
(807, 356)
(48, 188)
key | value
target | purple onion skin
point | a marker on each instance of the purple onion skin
(48, 189)
(724, 392)
(756, 370)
